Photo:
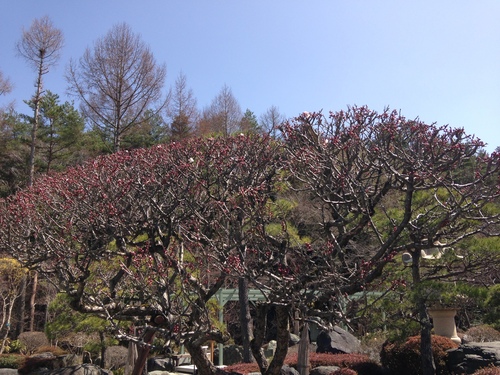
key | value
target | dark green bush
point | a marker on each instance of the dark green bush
(492, 305)
(11, 360)
(405, 357)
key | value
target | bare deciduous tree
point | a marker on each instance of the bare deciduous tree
(40, 45)
(182, 110)
(5, 84)
(223, 115)
(11, 276)
(271, 119)
(118, 81)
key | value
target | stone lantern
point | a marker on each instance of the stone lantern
(444, 322)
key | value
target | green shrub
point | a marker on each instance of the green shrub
(405, 357)
(11, 360)
(14, 346)
(492, 305)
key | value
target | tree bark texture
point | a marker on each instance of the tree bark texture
(36, 117)
(245, 319)
(34, 288)
(303, 362)
(428, 366)
(198, 356)
(21, 307)
(259, 336)
(282, 339)
(143, 352)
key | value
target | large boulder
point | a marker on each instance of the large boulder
(337, 341)
(8, 371)
(323, 370)
(469, 357)
(44, 361)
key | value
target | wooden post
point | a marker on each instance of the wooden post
(131, 358)
(303, 364)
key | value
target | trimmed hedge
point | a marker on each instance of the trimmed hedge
(14, 361)
(488, 371)
(405, 358)
(359, 363)
(345, 371)
(242, 368)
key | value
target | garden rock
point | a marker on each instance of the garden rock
(468, 358)
(337, 341)
(270, 348)
(44, 361)
(293, 340)
(8, 371)
(85, 369)
(287, 370)
(160, 364)
(323, 370)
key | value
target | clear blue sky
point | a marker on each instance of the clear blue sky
(435, 59)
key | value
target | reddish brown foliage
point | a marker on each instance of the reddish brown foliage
(242, 368)
(356, 363)
(345, 371)
(327, 359)
(405, 357)
(488, 371)
(482, 333)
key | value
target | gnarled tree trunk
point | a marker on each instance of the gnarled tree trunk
(245, 319)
